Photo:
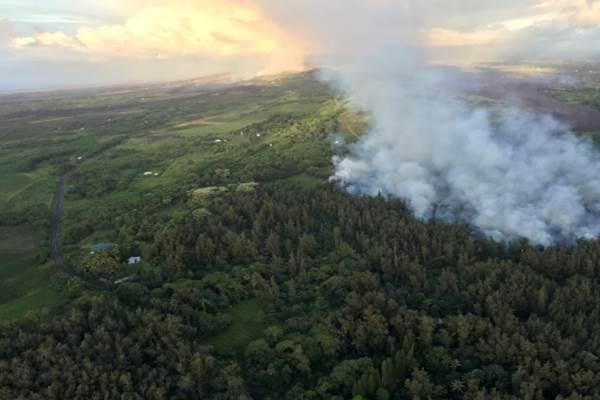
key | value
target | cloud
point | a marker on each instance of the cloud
(440, 37)
(253, 36)
(211, 27)
(454, 31)
(227, 28)
(6, 31)
(45, 39)
(482, 31)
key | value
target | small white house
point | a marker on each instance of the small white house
(148, 173)
(134, 260)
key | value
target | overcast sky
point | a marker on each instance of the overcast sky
(57, 43)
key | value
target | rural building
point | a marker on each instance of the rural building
(102, 246)
(134, 260)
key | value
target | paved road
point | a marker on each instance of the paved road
(54, 244)
(57, 211)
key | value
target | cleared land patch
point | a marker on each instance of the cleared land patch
(197, 122)
(249, 323)
(24, 283)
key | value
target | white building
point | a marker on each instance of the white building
(134, 260)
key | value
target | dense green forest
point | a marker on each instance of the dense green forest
(360, 301)
(261, 280)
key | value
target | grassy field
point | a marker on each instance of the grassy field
(588, 97)
(249, 323)
(227, 136)
(13, 183)
(135, 152)
(24, 282)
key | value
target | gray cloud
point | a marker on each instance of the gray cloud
(6, 31)
(468, 15)
(348, 26)
(554, 41)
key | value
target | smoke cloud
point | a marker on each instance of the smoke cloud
(510, 174)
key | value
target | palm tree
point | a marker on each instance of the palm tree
(457, 386)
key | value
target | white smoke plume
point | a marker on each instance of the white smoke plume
(509, 174)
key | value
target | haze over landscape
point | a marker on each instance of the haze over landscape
(299, 200)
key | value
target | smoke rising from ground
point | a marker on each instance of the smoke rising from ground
(510, 174)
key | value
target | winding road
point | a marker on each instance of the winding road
(54, 244)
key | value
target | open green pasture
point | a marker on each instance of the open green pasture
(24, 281)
